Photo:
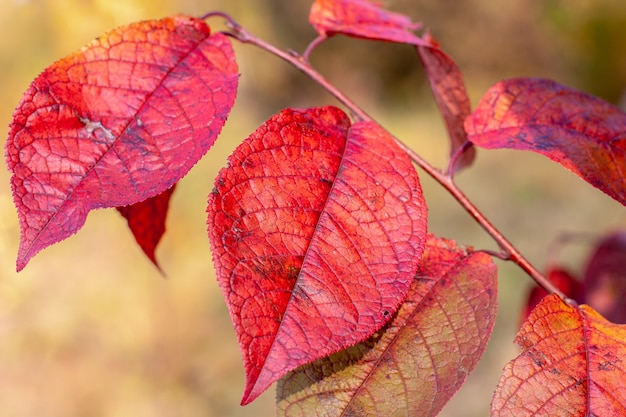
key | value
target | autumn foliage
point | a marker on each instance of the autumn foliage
(318, 223)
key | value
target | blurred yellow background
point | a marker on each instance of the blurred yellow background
(90, 328)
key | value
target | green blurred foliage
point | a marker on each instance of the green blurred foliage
(90, 327)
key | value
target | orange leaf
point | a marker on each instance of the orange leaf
(115, 123)
(572, 364)
(581, 132)
(317, 227)
(415, 365)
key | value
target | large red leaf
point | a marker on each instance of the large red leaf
(422, 357)
(119, 121)
(146, 221)
(317, 228)
(571, 365)
(363, 19)
(581, 132)
(448, 87)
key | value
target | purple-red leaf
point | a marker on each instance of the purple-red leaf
(448, 87)
(605, 278)
(146, 221)
(572, 364)
(415, 364)
(118, 122)
(362, 19)
(581, 132)
(317, 227)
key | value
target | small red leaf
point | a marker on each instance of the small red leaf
(317, 228)
(581, 132)
(571, 365)
(605, 278)
(119, 121)
(417, 363)
(448, 87)
(146, 221)
(362, 19)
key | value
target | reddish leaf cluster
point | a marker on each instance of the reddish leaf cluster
(318, 224)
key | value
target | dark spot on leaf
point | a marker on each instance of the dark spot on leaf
(606, 366)
(292, 272)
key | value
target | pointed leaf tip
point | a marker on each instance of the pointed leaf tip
(146, 221)
(117, 122)
(317, 227)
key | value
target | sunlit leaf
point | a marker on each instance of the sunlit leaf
(572, 364)
(317, 227)
(416, 364)
(115, 123)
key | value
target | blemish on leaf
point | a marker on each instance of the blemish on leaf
(91, 127)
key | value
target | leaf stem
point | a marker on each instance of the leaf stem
(445, 179)
(467, 145)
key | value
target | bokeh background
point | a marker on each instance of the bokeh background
(91, 328)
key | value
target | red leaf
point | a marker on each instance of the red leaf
(147, 221)
(446, 83)
(581, 132)
(605, 278)
(362, 19)
(317, 228)
(422, 357)
(571, 365)
(119, 121)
